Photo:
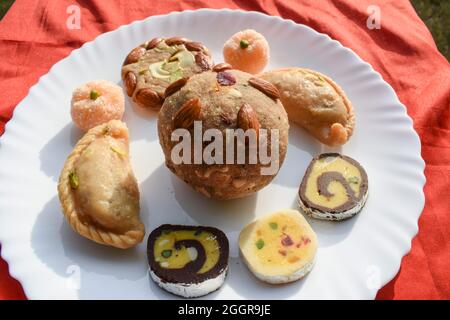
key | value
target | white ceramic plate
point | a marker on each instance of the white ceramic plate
(355, 258)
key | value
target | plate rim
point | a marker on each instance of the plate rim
(403, 247)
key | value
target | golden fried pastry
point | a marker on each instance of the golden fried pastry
(315, 102)
(97, 189)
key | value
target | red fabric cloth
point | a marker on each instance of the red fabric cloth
(34, 36)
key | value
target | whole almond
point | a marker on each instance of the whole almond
(195, 46)
(175, 41)
(175, 86)
(202, 61)
(187, 114)
(134, 55)
(222, 67)
(248, 119)
(153, 43)
(148, 98)
(130, 83)
(265, 87)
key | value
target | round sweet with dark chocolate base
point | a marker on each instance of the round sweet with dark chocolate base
(334, 187)
(227, 102)
(151, 68)
(188, 261)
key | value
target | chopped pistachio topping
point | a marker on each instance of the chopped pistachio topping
(354, 180)
(166, 253)
(118, 151)
(244, 44)
(94, 94)
(259, 244)
(73, 180)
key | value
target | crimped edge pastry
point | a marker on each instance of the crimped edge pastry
(123, 241)
(339, 134)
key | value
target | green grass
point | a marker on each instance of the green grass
(4, 6)
(435, 14)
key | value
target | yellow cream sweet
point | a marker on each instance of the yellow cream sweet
(170, 257)
(279, 247)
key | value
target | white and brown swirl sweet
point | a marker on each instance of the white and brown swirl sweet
(151, 69)
(335, 187)
(189, 261)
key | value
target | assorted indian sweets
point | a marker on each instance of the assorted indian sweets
(188, 261)
(99, 193)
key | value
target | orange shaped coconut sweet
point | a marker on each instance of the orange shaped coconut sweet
(247, 51)
(97, 189)
(315, 102)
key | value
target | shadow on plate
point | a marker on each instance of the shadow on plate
(329, 233)
(61, 249)
(54, 153)
(246, 285)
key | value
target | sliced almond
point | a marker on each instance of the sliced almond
(148, 98)
(248, 119)
(175, 86)
(202, 61)
(187, 114)
(134, 55)
(222, 67)
(265, 87)
(175, 41)
(153, 43)
(130, 83)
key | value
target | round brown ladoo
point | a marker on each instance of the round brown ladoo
(154, 65)
(225, 100)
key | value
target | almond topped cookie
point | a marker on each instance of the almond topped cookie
(226, 103)
(154, 65)
(97, 189)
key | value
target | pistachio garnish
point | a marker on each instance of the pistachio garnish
(259, 244)
(244, 44)
(118, 151)
(73, 180)
(166, 253)
(354, 180)
(94, 94)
